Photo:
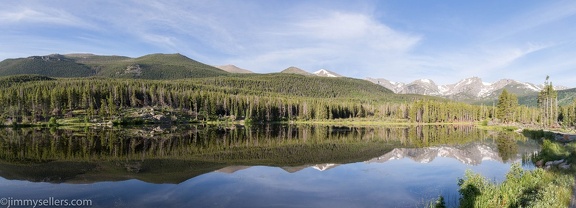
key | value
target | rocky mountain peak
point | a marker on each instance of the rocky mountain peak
(51, 57)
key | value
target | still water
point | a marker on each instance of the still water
(257, 166)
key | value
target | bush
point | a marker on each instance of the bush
(52, 122)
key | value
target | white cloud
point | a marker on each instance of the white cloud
(42, 16)
(330, 39)
(354, 28)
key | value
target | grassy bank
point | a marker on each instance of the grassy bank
(546, 186)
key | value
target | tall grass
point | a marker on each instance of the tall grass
(522, 188)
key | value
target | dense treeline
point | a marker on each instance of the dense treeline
(567, 114)
(262, 98)
(41, 100)
(11, 80)
(259, 99)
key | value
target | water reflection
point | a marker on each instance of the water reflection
(237, 166)
(209, 142)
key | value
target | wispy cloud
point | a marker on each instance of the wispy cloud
(27, 15)
(529, 21)
(332, 39)
(526, 46)
(490, 62)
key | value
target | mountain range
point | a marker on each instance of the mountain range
(468, 90)
(177, 66)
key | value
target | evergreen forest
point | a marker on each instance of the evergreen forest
(34, 99)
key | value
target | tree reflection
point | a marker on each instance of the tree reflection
(177, 153)
(507, 146)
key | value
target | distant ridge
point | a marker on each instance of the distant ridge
(295, 70)
(152, 66)
(53, 65)
(234, 69)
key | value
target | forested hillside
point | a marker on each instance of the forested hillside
(299, 85)
(153, 66)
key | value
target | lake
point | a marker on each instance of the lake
(252, 166)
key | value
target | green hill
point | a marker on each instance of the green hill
(156, 66)
(52, 65)
(297, 85)
(153, 66)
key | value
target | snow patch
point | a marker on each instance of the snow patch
(531, 87)
(323, 167)
(426, 81)
(443, 89)
(485, 91)
(324, 72)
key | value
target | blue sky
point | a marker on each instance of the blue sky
(400, 40)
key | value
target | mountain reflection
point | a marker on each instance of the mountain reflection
(472, 154)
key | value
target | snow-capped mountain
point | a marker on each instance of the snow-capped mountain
(326, 73)
(467, 89)
(421, 86)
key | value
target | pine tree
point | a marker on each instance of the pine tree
(548, 104)
(507, 104)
